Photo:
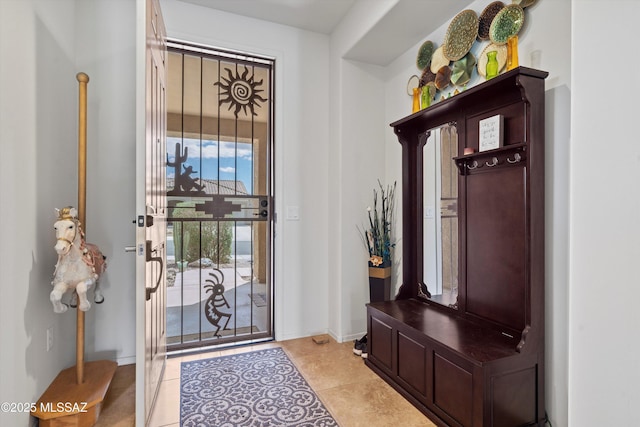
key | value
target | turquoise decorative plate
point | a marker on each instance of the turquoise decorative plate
(461, 34)
(424, 55)
(486, 18)
(507, 23)
(462, 69)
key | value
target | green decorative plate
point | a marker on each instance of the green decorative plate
(461, 34)
(462, 69)
(507, 23)
(486, 18)
(424, 55)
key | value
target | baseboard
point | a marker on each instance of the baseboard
(130, 360)
(346, 338)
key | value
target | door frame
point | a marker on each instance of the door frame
(141, 216)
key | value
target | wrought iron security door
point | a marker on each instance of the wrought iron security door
(220, 197)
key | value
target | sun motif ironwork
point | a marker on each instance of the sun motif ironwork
(241, 91)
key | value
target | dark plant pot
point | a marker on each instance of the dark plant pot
(379, 284)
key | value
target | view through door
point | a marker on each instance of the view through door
(220, 197)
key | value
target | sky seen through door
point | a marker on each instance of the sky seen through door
(220, 160)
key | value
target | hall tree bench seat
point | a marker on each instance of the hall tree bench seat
(447, 365)
(478, 360)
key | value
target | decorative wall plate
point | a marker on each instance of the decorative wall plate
(501, 57)
(486, 18)
(427, 76)
(438, 60)
(507, 23)
(461, 34)
(443, 77)
(424, 54)
(462, 69)
(413, 82)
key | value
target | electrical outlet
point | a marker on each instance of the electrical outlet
(49, 338)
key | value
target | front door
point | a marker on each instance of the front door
(219, 196)
(151, 207)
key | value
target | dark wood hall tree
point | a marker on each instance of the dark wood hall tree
(480, 361)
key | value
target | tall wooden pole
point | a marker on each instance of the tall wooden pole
(83, 79)
(92, 379)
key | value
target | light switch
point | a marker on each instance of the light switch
(293, 213)
(428, 212)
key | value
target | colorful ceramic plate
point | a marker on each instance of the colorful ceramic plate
(486, 18)
(443, 77)
(424, 55)
(462, 70)
(413, 82)
(427, 76)
(438, 60)
(501, 57)
(507, 23)
(461, 34)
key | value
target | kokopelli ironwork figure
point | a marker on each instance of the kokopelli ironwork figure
(215, 301)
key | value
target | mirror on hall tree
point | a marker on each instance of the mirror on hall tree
(440, 217)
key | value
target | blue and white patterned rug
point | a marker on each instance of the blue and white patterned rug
(261, 388)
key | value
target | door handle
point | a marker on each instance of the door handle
(129, 248)
(158, 259)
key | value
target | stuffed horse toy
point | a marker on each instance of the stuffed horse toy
(79, 264)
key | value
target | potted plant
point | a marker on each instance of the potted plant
(379, 242)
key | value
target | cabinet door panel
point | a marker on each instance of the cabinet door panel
(381, 343)
(412, 360)
(453, 389)
(514, 398)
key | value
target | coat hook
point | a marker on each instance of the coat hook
(516, 158)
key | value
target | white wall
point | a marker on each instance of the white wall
(44, 44)
(555, 50)
(105, 44)
(605, 212)
(301, 141)
(37, 138)
(358, 160)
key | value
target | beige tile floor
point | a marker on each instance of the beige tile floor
(353, 394)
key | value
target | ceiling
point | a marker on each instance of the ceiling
(320, 16)
(405, 25)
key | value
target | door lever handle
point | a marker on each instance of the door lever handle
(158, 259)
(129, 248)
